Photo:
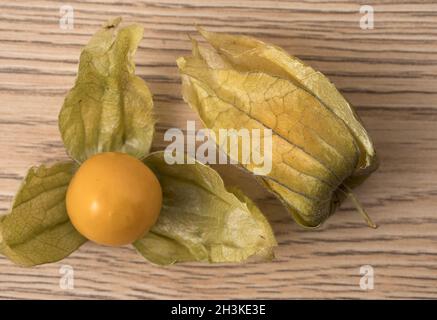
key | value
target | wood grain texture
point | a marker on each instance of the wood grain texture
(389, 73)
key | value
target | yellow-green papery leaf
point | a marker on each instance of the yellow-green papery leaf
(249, 54)
(201, 220)
(315, 151)
(109, 108)
(37, 230)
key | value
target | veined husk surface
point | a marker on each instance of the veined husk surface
(320, 149)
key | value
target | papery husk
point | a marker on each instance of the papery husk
(202, 220)
(320, 147)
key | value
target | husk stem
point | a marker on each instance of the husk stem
(358, 206)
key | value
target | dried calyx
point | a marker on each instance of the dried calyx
(320, 147)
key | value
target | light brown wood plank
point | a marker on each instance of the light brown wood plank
(389, 73)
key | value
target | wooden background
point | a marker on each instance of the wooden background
(389, 73)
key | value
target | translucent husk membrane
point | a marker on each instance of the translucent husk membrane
(321, 151)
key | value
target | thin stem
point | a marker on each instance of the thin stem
(359, 207)
(363, 212)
